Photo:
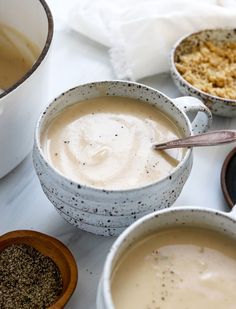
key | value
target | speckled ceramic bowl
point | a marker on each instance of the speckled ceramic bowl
(109, 212)
(219, 106)
(173, 217)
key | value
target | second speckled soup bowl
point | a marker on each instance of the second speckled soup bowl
(174, 217)
(109, 212)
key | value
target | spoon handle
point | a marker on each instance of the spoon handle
(206, 139)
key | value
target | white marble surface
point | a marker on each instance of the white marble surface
(76, 60)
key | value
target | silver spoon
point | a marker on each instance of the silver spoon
(206, 139)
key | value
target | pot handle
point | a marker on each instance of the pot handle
(198, 114)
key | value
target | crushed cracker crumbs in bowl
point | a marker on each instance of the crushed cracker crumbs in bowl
(203, 65)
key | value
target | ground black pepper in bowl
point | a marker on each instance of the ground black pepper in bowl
(28, 279)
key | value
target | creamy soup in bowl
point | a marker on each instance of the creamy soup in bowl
(106, 143)
(183, 257)
(93, 152)
(176, 268)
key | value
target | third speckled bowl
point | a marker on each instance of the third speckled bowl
(203, 64)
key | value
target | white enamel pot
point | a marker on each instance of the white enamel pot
(21, 104)
(215, 220)
(109, 212)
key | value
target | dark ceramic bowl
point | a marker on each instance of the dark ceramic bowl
(228, 178)
(218, 105)
(56, 250)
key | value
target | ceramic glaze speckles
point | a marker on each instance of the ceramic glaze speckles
(108, 212)
(219, 106)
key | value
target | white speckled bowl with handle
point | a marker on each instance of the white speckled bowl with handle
(109, 212)
(218, 106)
(174, 217)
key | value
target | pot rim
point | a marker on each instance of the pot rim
(68, 182)
(42, 55)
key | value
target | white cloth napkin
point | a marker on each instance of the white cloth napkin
(141, 33)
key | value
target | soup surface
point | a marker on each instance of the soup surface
(187, 268)
(17, 55)
(106, 142)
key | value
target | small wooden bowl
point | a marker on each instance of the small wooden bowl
(53, 248)
(228, 178)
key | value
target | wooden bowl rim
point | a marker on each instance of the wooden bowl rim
(44, 238)
(223, 175)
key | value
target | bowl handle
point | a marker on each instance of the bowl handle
(198, 114)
